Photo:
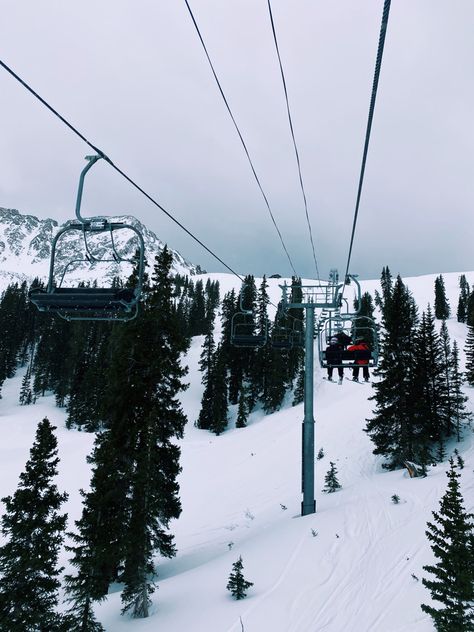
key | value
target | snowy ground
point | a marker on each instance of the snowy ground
(355, 575)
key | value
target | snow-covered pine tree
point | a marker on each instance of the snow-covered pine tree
(469, 351)
(429, 399)
(237, 585)
(197, 311)
(392, 427)
(219, 401)
(81, 588)
(240, 361)
(26, 392)
(460, 415)
(331, 482)
(34, 528)
(257, 369)
(446, 362)
(206, 366)
(441, 304)
(298, 395)
(243, 410)
(158, 420)
(452, 576)
(382, 301)
(463, 299)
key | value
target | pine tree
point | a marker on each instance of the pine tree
(469, 350)
(463, 299)
(298, 395)
(393, 429)
(219, 403)
(243, 411)
(332, 484)
(257, 369)
(34, 530)
(26, 394)
(441, 305)
(460, 415)
(429, 390)
(237, 584)
(159, 420)
(452, 582)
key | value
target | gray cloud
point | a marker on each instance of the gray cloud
(133, 78)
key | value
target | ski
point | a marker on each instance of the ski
(349, 379)
(339, 383)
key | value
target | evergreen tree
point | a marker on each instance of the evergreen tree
(463, 299)
(298, 395)
(197, 311)
(159, 421)
(448, 386)
(219, 404)
(332, 484)
(243, 411)
(34, 530)
(469, 350)
(134, 493)
(441, 304)
(393, 429)
(382, 301)
(237, 584)
(470, 309)
(429, 392)
(26, 394)
(460, 415)
(257, 369)
(452, 582)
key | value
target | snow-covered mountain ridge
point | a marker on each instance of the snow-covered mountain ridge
(25, 248)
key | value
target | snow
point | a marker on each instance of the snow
(354, 575)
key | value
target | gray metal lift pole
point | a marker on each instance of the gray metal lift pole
(308, 505)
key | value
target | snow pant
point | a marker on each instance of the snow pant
(340, 370)
(365, 371)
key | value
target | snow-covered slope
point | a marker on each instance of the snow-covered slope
(357, 574)
(25, 249)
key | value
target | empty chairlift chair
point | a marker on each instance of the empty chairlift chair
(244, 329)
(91, 303)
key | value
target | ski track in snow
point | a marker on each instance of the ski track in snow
(354, 576)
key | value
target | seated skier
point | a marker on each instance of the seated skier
(333, 357)
(360, 345)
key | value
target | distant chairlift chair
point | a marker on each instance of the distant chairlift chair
(355, 327)
(91, 303)
(243, 326)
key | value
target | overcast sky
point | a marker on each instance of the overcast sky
(133, 78)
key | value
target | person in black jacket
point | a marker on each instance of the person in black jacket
(333, 357)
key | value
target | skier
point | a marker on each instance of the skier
(360, 345)
(333, 357)
(342, 338)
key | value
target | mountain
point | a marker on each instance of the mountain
(25, 250)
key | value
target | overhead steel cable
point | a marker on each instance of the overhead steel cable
(378, 65)
(290, 121)
(114, 166)
(244, 145)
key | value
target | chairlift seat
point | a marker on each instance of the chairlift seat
(244, 340)
(84, 299)
(341, 355)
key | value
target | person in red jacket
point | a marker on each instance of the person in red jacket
(360, 345)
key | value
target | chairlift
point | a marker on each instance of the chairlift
(354, 326)
(243, 327)
(91, 303)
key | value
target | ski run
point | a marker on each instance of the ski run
(356, 565)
